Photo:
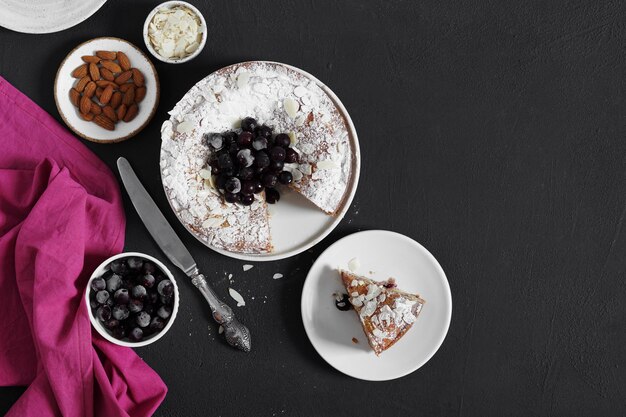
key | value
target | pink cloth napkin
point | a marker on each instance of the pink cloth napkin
(60, 216)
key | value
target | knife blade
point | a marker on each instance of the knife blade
(237, 335)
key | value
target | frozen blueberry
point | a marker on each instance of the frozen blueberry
(291, 156)
(102, 296)
(136, 334)
(276, 166)
(258, 187)
(232, 185)
(93, 303)
(224, 161)
(261, 160)
(118, 266)
(139, 292)
(113, 283)
(247, 200)
(271, 195)
(164, 312)
(245, 139)
(247, 187)
(157, 323)
(259, 143)
(98, 284)
(165, 287)
(285, 178)
(142, 319)
(135, 306)
(103, 313)
(111, 324)
(232, 198)
(147, 280)
(246, 174)
(277, 153)
(282, 140)
(148, 268)
(118, 332)
(269, 180)
(166, 299)
(120, 312)
(249, 124)
(121, 296)
(134, 263)
(245, 158)
(264, 131)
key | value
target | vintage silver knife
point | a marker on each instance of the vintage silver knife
(237, 335)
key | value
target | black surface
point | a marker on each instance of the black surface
(491, 132)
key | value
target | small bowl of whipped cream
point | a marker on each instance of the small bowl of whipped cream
(175, 32)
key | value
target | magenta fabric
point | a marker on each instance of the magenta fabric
(61, 215)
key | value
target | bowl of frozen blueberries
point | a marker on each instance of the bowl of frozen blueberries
(132, 299)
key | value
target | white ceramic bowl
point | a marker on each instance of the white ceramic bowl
(100, 328)
(89, 130)
(169, 5)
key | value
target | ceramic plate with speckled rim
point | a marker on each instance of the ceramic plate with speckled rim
(45, 16)
(295, 223)
(89, 130)
(381, 254)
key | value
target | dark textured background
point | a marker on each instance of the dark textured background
(492, 132)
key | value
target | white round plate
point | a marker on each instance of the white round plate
(64, 82)
(296, 224)
(382, 254)
(45, 16)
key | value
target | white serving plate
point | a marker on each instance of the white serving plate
(89, 130)
(45, 16)
(386, 254)
(296, 224)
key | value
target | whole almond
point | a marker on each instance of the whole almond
(123, 77)
(94, 72)
(106, 74)
(107, 94)
(106, 54)
(131, 113)
(110, 113)
(129, 96)
(85, 104)
(104, 122)
(95, 109)
(105, 83)
(90, 89)
(124, 87)
(74, 97)
(80, 71)
(123, 60)
(116, 99)
(80, 85)
(90, 58)
(99, 91)
(138, 78)
(111, 66)
(87, 116)
(140, 94)
(121, 112)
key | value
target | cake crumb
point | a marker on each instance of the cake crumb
(355, 340)
(247, 267)
(277, 276)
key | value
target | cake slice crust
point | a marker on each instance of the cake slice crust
(386, 314)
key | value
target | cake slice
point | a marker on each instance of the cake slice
(386, 313)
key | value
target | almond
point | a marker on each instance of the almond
(131, 113)
(123, 60)
(140, 94)
(106, 74)
(95, 109)
(80, 85)
(121, 112)
(106, 95)
(106, 54)
(105, 83)
(94, 72)
(74, 97)
(123, 77)
(110, 113)
(90, 58)
(129, 96)
(111, 66)
(99, 91)
(116, 99)
(104, 122)
(80, 71)
(85, 105)
(138, 78)
(90, 89)
(124, 87)
(87, 116)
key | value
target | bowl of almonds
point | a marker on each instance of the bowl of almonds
(106, 90)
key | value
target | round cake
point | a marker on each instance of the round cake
(279, 96)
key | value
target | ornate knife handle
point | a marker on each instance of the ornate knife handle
(237, 335)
